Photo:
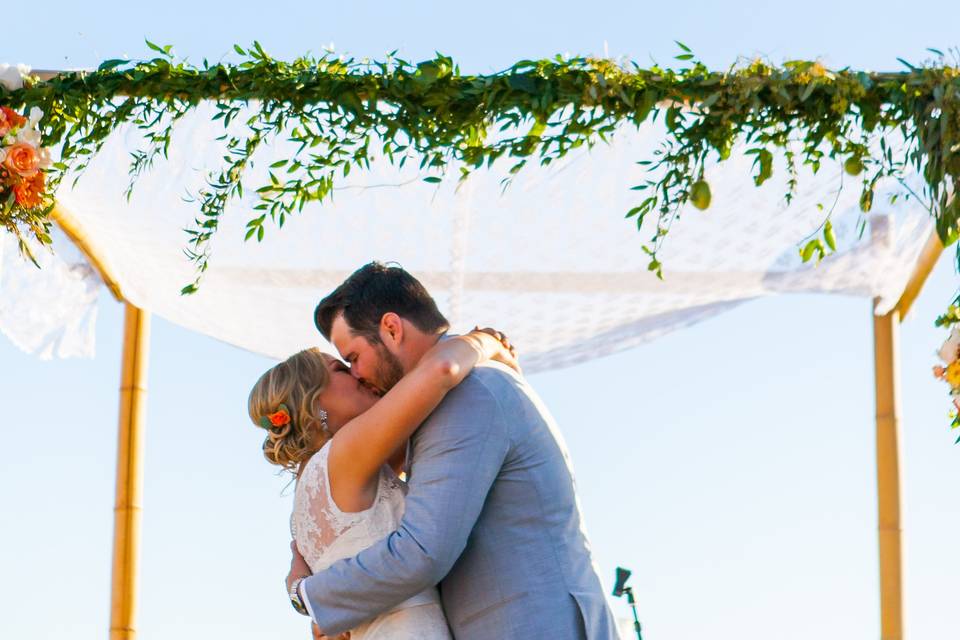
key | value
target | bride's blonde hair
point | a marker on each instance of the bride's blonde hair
(296, 382)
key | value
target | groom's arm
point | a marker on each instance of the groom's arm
(458, 453)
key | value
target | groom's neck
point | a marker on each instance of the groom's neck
(417, 345)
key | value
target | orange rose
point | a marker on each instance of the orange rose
(14, 118)
(5, 124)
(279, 418)
(29, 192)
(22, 158)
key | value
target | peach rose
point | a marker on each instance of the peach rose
(22, 159)
(29, 192)
(5, 124)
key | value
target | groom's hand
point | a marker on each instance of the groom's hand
(298, 566)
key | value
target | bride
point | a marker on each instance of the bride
(347, 447)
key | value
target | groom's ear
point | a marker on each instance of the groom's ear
(391, 329)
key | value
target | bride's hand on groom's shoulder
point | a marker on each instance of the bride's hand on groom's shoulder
(508, 353)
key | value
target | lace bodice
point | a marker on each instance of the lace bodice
(323, 532)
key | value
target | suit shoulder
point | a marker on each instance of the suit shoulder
(481, 395)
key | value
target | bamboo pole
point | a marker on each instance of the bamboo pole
(886, 344)
(130, 438)
(886, 330)
(925, 263)
(129, 490)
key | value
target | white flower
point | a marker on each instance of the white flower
(11, 76)
(29, 135)
(43, 155)
(36, 113)
(950, 350)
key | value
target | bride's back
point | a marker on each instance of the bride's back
(323, 532)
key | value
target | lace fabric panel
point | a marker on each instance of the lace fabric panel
(323, 532)
(569, 251)
(51, 311)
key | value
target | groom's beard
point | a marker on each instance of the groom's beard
(389, 370)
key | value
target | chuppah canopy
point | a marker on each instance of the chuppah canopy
(548, 257)
(545, 256)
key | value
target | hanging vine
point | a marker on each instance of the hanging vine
(337, 109)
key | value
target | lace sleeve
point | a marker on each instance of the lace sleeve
(322, 531)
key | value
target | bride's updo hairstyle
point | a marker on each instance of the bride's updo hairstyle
(295, 383)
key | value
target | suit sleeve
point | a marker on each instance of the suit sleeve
(457, 455)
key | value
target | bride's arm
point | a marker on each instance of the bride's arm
(364, 444)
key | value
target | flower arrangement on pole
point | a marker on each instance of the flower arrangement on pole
(949, 354)
(25, 199)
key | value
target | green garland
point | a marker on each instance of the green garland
(431, 113)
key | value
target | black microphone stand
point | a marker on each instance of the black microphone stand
(633, 608)
(621, 588)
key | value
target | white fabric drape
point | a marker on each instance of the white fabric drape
(50, 311)
(550, 260)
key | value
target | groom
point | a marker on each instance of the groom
(491, 512)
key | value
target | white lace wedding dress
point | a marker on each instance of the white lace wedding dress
(325, 534)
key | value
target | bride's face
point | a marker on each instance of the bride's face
(345, 397)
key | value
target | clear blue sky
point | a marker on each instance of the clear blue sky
(729, 465)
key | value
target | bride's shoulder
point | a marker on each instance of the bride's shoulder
(316, 461)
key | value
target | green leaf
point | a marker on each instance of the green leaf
(164, 51)
(432, 179)
(106, 65)
(806, 254)
(522, 82)
(683, 46)
(906, 64)
(763, 161)
(829, 236)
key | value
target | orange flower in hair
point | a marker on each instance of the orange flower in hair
(278, 418)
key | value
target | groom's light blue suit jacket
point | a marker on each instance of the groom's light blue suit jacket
(492, 515)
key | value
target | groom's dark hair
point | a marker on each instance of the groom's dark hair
(373, 290)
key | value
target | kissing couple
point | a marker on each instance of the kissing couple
(434, 495)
